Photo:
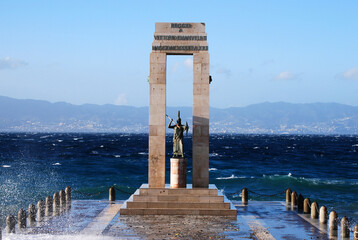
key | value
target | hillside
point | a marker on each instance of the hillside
(271, 118)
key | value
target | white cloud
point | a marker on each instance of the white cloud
(189, 63)
(121, 99)
(8, 63)
(175, 67)
(285, 76)
(351, 74)
(185, 65)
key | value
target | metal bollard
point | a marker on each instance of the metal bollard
(323, 215)
(288, 195)
(48, 206)
(355, 233)
(293, 199)
(307, 206)
(32, 214)
(10, 224)
(245, 196)
(40, 210)
(345, 228)
(333, 222)
(112, 194)
(68, 194)
(300, 203)
(314, 210)
(21, 218)
(62, 196)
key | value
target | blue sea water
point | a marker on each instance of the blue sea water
(35, 165)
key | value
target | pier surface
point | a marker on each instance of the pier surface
(93, 219)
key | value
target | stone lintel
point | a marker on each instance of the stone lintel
(169, 27)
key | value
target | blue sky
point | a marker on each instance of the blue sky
(98, 51)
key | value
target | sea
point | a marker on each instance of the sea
(322, 168)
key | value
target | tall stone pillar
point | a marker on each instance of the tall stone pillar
(201, 120)
(157, 111)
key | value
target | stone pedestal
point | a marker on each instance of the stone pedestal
(178, 172)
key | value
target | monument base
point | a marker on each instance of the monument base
(178, 172)
(178, 201)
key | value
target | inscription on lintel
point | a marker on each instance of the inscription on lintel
(180, 38)
(181, 25)
(180, 48)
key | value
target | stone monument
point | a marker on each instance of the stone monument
(179, 39)
(200, 197)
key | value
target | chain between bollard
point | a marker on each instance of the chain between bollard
(259, 194)
(100, 192)
(122, 191)
(235, 193)
(352, 224)
(89, 194)
(267, 195)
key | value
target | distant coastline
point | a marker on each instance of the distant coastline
(265, 118)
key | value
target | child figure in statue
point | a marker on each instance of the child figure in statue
(178, 148)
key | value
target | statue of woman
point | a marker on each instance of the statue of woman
(178, 147)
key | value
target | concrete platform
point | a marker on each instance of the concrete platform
(178, 201)
(90, 219)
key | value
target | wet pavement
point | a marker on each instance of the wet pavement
(91, 219)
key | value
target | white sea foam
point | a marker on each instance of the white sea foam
(45, 136)
(227, 147)
(56, 164)
(143, 153)
(117, 156)
(213, 154)
(53, 144)
(101, 146)
(94, 152)
(213, 169)
(256, 147)
(59, 140)
(355, 145)
(231, 177)
(313, 181)
(6, 166)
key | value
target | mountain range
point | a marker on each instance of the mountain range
(18, 115)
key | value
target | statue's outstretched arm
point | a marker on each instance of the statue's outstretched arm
(170, 124)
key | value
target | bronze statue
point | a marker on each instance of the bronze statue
(178, 147)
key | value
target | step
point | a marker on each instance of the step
(178, 191)
(179, 205)
(171, 211)
(178, 198)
